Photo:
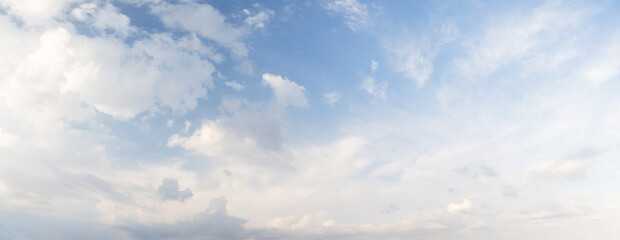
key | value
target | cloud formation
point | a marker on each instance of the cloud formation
(204, 20)
(169, 190)
(286, 91)
(355, 13)
(213, 223)
(413, 58)
(102, 102)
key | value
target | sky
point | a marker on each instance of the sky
(326, 119)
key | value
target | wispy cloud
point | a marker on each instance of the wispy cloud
(331, 98)
(413, 58)
(355, 13)
(513, 39)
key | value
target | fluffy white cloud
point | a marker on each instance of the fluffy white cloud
(244, 134)
(389, 170)
(35, 12)
(259, 19)
(116, 79)
(287, 92)
(103, 18)
(59, 86)
(202, 19)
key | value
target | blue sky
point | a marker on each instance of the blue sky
(328, 119)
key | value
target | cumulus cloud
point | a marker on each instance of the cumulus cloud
(34, 12)
(109, 75)
(67, 68)
(287, 92)
(102, 18)
(244, 134)
(259, 19)
(67, 151)
(169, 190)
(202, 19)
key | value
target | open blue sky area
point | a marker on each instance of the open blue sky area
(326, 119)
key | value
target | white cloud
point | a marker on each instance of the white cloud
(204, 20)
(355, 13)
(602, 72)
(55, 79)
(124, 81)
(7, 139)
(169, 190)
(235, 85)
(103, 18)
(514, 39)
(247, 135)
(374, 88)
(413, 58)
(84, 11)
(213, 223)
(387, 170)
(374, 65)
(314, 221)
(35, 12)
(103, 72)
(259, 19)
(188, 124)
(58, 159)
(460, 207)
(605, 65)
(331, 98)
(287, 92)
(449, 32)
(571, 168)
(329, 223)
